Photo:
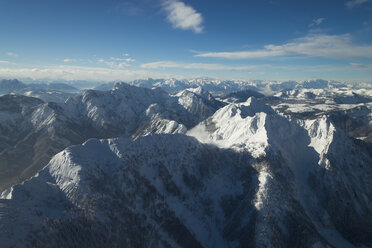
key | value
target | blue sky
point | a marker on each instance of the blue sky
(108, 40)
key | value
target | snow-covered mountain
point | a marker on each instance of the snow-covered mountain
(198, 102)
(249, 178)
(349, 109)
(330, 173)
(10, 85)
(173, 85)
(223, 87)
(141, 167)
(47, 95)
(48, 92)
(34, 131)
(240, 96)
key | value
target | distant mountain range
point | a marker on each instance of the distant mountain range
(219, 87)
(50, 92)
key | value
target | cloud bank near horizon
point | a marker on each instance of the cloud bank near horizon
(317, 45)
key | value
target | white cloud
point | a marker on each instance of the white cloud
(126, 54)
(129, 60)
(365, 67)
(195, 66)
(264, 53)
(250, 68)
(12, 54)
(100, 74)
(183, 16)
(4, 62)
(115, 62)
(121, 59)
(69, 60)
(316, 22)
(320, 45)
(358, 65)
(354, 3)
(116, 59)
(76, 73)
(122, 65)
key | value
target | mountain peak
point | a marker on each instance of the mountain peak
(237, 125)
(253, 106)
(245, 109)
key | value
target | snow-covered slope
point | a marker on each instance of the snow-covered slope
(32, 137)
(349, 109)
(255, 179)
(160, 191)
(198, 102)
(125, 107)
(157, 191)
(322, 160)
(241, 126)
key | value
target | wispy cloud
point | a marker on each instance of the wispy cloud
(4, 62)
(183, 16)
(111, 64)
(364, 67)
(195, 66)
(116, 59)
(129, 60)
(69, 60)
(354, 3)
(257, 68)
(358, 65)
(130, 8)
(122, 65)
(67, 72)
(264, 53)
(121, 59)
(114, 62)
(101, 74)
(12, 54)
(316, 22)
(319, 45)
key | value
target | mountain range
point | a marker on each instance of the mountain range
(140, 167)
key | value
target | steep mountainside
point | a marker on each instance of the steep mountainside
(198, 102)
(34, 131)
(254, 179)
(331, 173)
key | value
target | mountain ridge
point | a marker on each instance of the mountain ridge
(293, 188)
(50, 127)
